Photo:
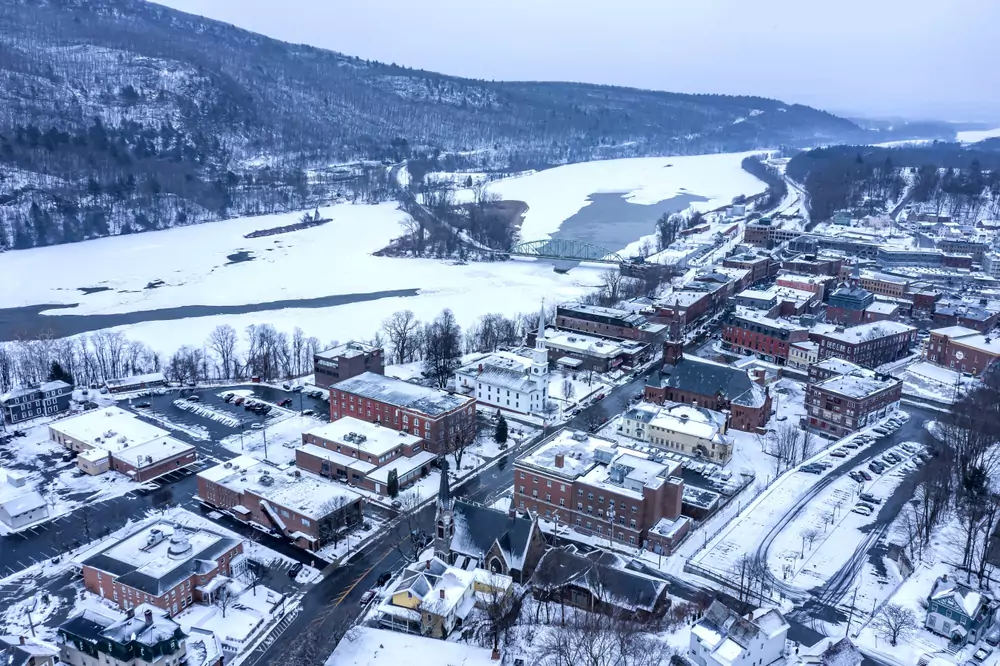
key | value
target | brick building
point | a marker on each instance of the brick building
(682, 428)
(882, 284)
(978, 317)
(711, 385)
(847, 304)
(345, 361)
(821, 285)
(964, 246)
(962, 349)
(302, 507)
(869, 345)
(607, 322)
(363, 454)
(810, 264)
(845, 403)
(437, 416)
(598, 487)
(959, 261)
(761, 266)
(746, 331)
(163, 564)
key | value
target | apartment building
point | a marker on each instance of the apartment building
(607, 322)
(345, 361)
(845, 403)
(747, 331)
(598, 487)
(682, 428)
(963, 349)
(42, 400)
(870, 344)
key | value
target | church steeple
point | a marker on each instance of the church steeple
(444, 520)
(540, 338)
(540, 354)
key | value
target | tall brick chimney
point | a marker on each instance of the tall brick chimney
(673, 352)
(559, 460)
(149, 616)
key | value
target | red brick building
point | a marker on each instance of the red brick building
(306, 509)
(345, 361)
(845, 403)
(599, 488)
(977, 317)
(437, 416)
(761, 266)
(153, 459)
(162, 563)
(363, 454)
(810, 264)
(963, 349)
(711, 385)
(746, 331)
(607, 322)
(869, 345)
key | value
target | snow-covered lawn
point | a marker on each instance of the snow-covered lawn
(553, 195)
(282, 435)
(926, 380)
(350, 542)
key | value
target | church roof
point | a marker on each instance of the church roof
(477, 527)
(698, 375)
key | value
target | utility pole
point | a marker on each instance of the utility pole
(264, 432)
(851, 615)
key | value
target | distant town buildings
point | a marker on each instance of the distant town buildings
(345, 361)
(45, 399)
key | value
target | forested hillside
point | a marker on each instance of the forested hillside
(956, 179)
(119, 116)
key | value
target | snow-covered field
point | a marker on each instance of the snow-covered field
(972, 136)
(553, 195)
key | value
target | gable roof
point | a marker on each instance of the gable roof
(604, 575)
(14, 653)
(478, 527)
(963, 598)
(704, 377)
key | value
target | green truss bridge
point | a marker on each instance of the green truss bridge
(567, 250)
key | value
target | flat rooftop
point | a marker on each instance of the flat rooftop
(368, 437)
(110, 428)
(155, 560)
(350, 349)
(430, 401)
(588, 345)
(294, 489)
(870, 331)
(577, 448)
(157, 450)
(859, 384)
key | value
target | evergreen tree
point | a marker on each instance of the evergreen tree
(392, 485)
(57, 373)
(500, 435)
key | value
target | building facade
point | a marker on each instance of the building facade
(345, 361)
(748, 332)
(162, 564)
(439, 417)
(761, 266)
(724, 638)
(870, 345)
(846, 403)
(44, 400)
(144, 638)
(607, 322)
(962, 349)
(692, 431)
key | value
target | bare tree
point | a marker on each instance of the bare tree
(500, 608)
(222, 340)
(808, 537)
(568, 389)
(259, 574)
(894, 622)
(611, 285)
(225, 598)
(334, 522)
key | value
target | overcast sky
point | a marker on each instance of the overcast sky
(913, 58)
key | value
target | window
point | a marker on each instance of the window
(306, 522)
(600, 499)
(590, 496)
(580, 492)
(562, 487)
(534, 479)
(633, 524)
(548, 497)
(534, 493)
(522, 475)
(562, 502)
(548, 483)
(579, 506)
(522, 490)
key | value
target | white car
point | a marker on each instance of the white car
(863, 510)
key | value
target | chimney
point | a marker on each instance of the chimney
(427, 564)
(441, 593)
(149, 616)
(21, 639)
(559, 460)
(512, 512)
(129, 613)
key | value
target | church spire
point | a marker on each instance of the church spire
(540, 338)
(444, 491)
(445, 518)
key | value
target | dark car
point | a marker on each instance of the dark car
(868, 497)
(284, 402)
(265, 409)
(866, 475)
(228, 397)
(239, 400)
(20, 433)
(193, 398)
(297, 389)
(294, 570)
(384, 578)
(142, 405)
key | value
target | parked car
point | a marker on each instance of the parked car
(992, 637)
(851, 445)
(866, 475)
(307, 412)
(384, 578)
(862, 509)
(297, 389)
(982, 653)
(294, 570)
(881, 431)
(599, 397)
(367, 597)
(265, 409)
(228, 397)
(142, 405)
(257, 426)
(875, 467)
(286, 386)
(396, 504)
(866, 505)
(193, 398)
(838, 453)
(284, 401)
(871, 499)
(811, 470)
(239, 400)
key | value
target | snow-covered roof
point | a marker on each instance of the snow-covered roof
(402, 465)
(367, 646)
(362, 435)
(350, 349)
(870, 331)
(305, 493)
(689, 420)
(759, 317)
(589, 345)
(110, 428)
(155, 451)
(857, 384)
(965, 598)
(989, 344)
(23, 503)
(883, 307)
(41, 389)
(838, 366)
(577, 449)
(954, 331)
(430, 401)
(342, 459)
(149, 378)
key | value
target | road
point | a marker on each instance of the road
(821, 602)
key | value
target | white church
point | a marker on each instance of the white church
(510, 381)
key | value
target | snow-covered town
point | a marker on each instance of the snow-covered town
(619, 378)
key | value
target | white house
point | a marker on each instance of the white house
(724, 638)
(23, 509)
(509, 381)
